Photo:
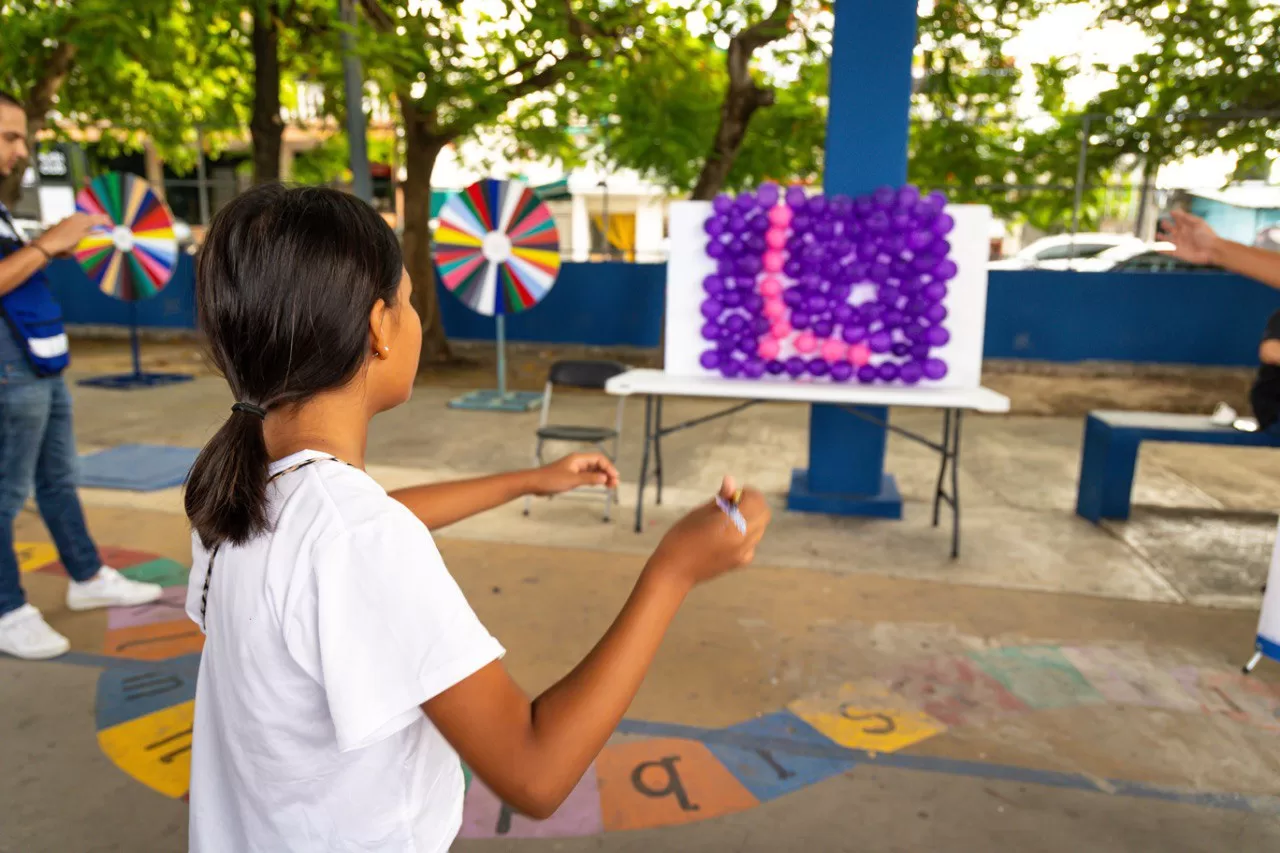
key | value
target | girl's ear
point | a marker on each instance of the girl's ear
(380, 327)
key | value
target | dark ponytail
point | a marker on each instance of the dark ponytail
(285, 282)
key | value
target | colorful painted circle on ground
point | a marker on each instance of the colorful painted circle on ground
(497, 247)
(135, 256)
(669, 774)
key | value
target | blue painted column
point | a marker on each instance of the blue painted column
(867, 122)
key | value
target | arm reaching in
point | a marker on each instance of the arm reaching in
(533, 753)
(58, 240)
(1195, 241)
(441, 504)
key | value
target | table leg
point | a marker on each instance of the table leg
(644, 461)
(955, 488)
(657, 446)
(942, 471)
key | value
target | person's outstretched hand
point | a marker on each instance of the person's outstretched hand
(1193, 239)
(63, 237)
(574, 471)
(705, 544)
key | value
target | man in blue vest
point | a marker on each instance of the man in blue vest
(37, 443)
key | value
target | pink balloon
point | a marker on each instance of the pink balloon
(773, 261)
(775, 238)
(780, 216)
(859, 354)
(834, 350)
(769, 349)
(775, 309)
(780, 329)
(770, 286)
(806, 343)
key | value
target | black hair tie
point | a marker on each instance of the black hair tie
(250, 409)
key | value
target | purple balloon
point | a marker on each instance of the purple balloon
(920, 351)
(792, 297)
(863, 205)
(713, 285)
(712, 308)
(841, 206)
(819, 367)
(842, 312)
(768, 194)
(817, 205)
(737, 222)
(911, 373)
(888, 295)
(710, 359)
(735, 323)
(760, 325)
(748, 344)
(734, 248)
(840, 292)
(901, 222)
(943, 224)
(868, 374)
(755, 244)
(841, 371)
(940, 247)
(918, 241)
(908, 195)
(893, 318)
(716, 250)
(901, 349)
(750, 265)
(935, 369)
(753, 303)
(878, 223)
(727, 344)
(753, 369)
(823, 328)
(871, 311)
(715, 226)
(726, 266)
(879, 273)
(880, 342)
(775, 368)
(888, 371)
(854, 334)
(732, 298)
(824, 229)
(946, 270)
(795, 196)
(792, 268)
(937, 336)
(758, 224)
(795, 366)
(795, 244)
(935, 313)
(884, 197)
(722, 204)
(935, 292)
(710, 331)
(801, 222)
(729, 368)
(800, 321)
(914, 332)
(816, 304)
(745, 201)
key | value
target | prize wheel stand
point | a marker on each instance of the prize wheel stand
(132, 259)
(498, 252)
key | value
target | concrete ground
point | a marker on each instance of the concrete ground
(1060, 687)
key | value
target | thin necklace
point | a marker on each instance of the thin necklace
(204, 598)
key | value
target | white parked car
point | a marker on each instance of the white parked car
(1064, 251)
(1144, 257)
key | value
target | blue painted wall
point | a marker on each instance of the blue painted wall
(1165, 318)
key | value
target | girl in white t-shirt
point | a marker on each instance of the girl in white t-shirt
(344, 672)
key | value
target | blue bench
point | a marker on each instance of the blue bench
(1110, 455)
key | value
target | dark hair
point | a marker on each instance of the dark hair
(9, 100)
(285, 282)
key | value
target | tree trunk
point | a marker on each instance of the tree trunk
(266, 126)
(1150, 167)
(39, 102)
(422, 146)
(741, 99)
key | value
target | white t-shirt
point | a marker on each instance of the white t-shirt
(324, 637)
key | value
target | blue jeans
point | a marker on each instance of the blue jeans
(38, 448)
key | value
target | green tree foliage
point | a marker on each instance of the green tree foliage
(689, 114)
(1208, 82)
(123, 70)
(455, 68)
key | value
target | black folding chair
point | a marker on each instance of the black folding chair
(589, 375)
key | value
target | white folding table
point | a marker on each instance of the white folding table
(656, 385)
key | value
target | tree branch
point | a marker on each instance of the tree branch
(378, 16)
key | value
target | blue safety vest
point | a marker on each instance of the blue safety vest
(31, 312)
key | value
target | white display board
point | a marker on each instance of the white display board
(966, 299)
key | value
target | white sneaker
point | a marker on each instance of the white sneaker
(24, 634)
(109, 588)
(1224, 416)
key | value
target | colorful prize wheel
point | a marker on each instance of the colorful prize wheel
(134, 257)
(497, 248)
